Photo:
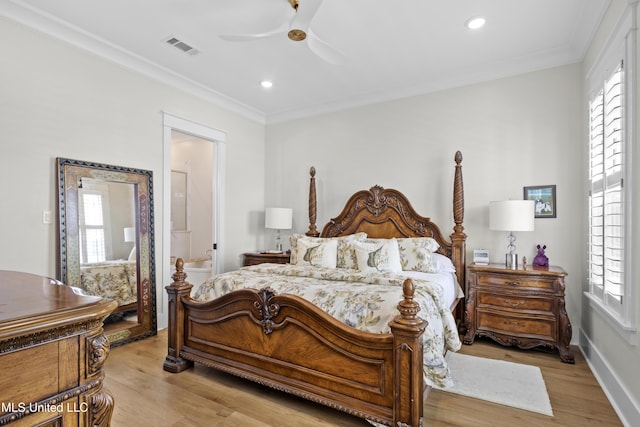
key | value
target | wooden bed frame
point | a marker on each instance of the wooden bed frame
(268, 338)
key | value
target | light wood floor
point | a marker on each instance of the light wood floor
(145, 395)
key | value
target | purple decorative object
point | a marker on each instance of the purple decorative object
(541, 259)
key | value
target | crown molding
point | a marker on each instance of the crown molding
(39, 20)
(51, 26)
(451, 80)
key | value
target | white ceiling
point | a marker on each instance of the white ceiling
(392, 48)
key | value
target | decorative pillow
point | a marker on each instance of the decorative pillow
(416, 254)
(427, 243)
(317, 254)
(378, 255)
(346, 253)
(442, 263)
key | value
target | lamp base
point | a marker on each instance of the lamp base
(278, 241)
(511, 261)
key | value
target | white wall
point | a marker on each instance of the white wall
(513, 132)
(59, 101)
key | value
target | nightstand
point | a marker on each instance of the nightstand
(518, 307)
(253, 258)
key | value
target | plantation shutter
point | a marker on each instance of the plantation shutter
(92, 231)
(606, 201)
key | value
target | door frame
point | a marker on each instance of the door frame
(218, 138)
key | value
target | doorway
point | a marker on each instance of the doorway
(192, 216)
(186, 144)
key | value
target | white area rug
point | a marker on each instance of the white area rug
(506, 383)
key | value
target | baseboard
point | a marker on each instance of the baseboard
(612, 387)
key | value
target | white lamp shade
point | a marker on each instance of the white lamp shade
(130, 234)
(512, 215)
(278, 218)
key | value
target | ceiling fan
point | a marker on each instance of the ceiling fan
(298, 30)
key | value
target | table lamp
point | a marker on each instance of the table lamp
(130, 236)
(511, 215)
(278, 219)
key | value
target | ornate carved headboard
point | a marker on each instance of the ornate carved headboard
(383, 213)
(387, 213)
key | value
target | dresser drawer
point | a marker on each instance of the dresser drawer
(502, 322)
(516, 302)
(516, 282)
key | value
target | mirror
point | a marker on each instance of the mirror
(105, 242)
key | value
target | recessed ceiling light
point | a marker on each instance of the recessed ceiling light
(266, 84)
(475, 22)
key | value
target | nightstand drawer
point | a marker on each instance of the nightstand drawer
(517, 326)
(516, 302)
(515, 282)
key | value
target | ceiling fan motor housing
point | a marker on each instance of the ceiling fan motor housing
(297, 35)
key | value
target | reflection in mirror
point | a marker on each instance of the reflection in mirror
(106, 242)
(107, 255)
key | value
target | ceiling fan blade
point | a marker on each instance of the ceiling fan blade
(324, 50)
(282, 29)
(306, 11)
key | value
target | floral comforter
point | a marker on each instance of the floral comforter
(366, 301)
(111, 279)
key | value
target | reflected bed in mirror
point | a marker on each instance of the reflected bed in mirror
(106, 244)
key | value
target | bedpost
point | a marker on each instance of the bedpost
(458, 195)
(458, 237)
(408, 382)
(177, 290)
(313, 231)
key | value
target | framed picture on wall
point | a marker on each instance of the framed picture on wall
(544, 197)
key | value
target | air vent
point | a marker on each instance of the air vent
(179, 44)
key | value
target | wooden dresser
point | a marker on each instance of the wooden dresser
(52, 349)
(518, 307)
(253, 258)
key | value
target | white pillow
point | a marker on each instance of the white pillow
(378, 255)
(442, 263)
(317, 253)
(416, 254)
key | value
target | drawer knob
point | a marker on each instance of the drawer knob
(513, 303)
(513, 283)
(514, 322)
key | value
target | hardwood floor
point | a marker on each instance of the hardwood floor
(145, 395)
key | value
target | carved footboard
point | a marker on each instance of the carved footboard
(287, 343)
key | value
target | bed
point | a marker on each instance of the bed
(284, 341)
(112, 279)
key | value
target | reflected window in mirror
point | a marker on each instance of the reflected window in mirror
(106, 234)
(92, 228)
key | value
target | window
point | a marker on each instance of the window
(611, 126)
(606, 198)
(92, 227)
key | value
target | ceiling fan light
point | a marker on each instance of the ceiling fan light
(475, 22)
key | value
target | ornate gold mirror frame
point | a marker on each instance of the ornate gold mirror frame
(126, 218)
